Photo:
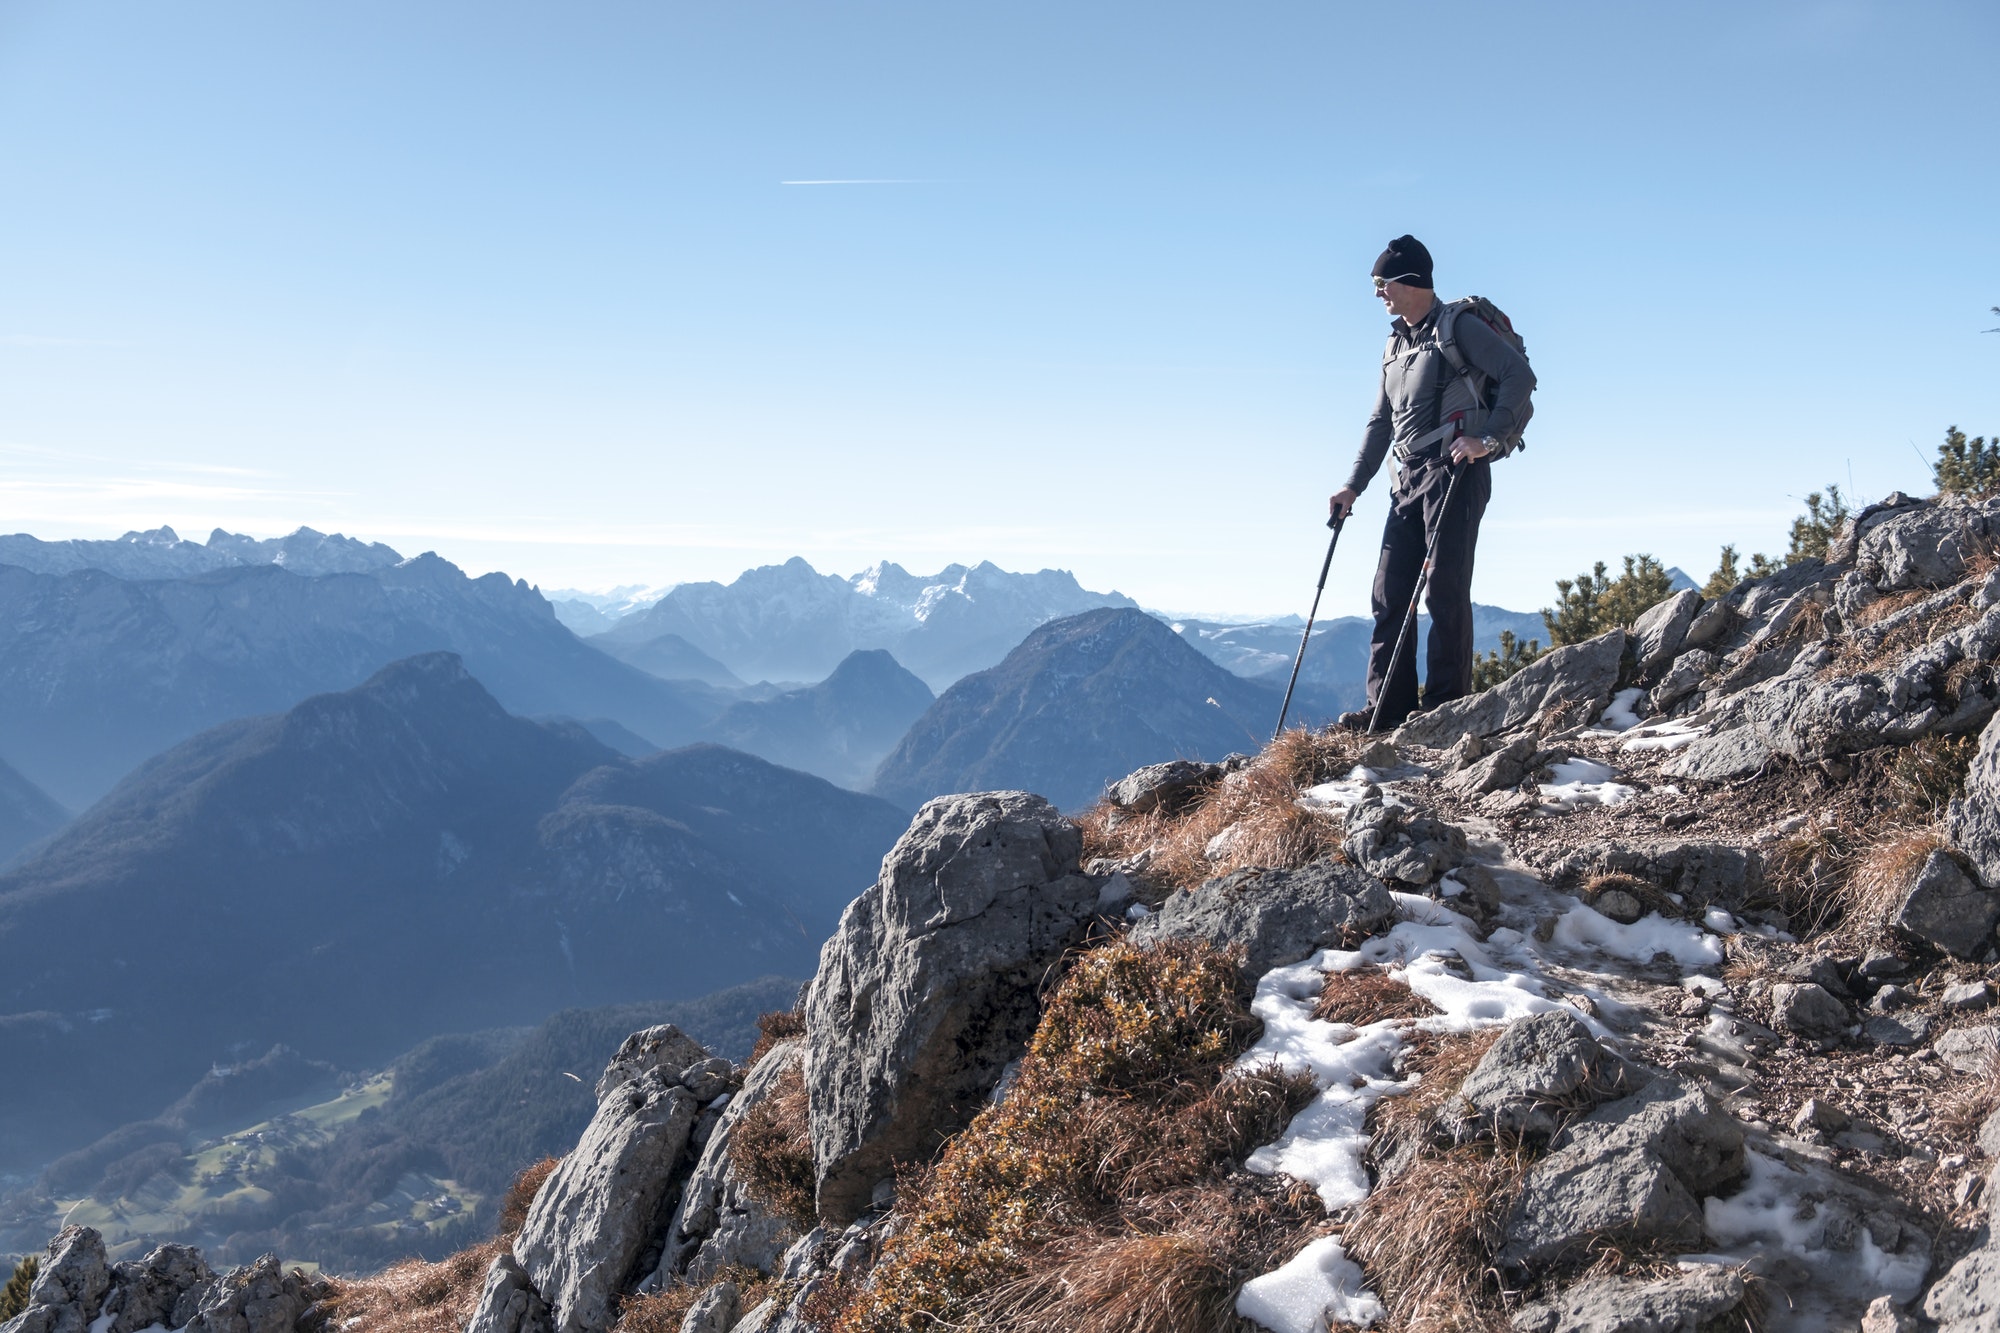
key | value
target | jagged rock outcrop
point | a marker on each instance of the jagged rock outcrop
(1659, 634)
(164, 1288)
(1973, 821)
(1156, 786)
(1702, 871)
(1276, 916)
(172, 1287)
(1576, 679)
(1632, 1172)
(508, 1302)
(599, 1213)
(1943, 908)
(929, 986)
(257, 1298)
(719, 1221)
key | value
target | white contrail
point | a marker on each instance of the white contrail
(883, 181)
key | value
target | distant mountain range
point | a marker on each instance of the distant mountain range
(27, 813)
(161, 554)
(99, 672)
(1337, 661)
(1081, 702)
(381, 864)
(840, 729)
(791, 623)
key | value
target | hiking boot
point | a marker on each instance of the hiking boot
(1354, 721)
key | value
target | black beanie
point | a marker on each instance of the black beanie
(1405, 261)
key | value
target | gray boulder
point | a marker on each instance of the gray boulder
(257, 1298)
(663, 1047)
(1544, 1069)
(1946, 910)
(1632, 1172)
(929, 986)
(1576, 679)
(1277, 916)
(595, 1214)
(1502, 768)
(1973, 821)
(1683, 678)
(1686, 1303)
(1168, 785)
(1704, 873)
(1661, 631)
(509, 1303)
(719, 1222)
(1967, 1298)
(1970, 1050)
(1927, 547)
(1808, 1010)
(1389, 842)
(1712, 623)
(150, 1291)
(1721, 756)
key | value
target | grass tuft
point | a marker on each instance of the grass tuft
(520, 1196)
(665, 1311)
(1427, 1236)
(771, 1147)
(1881, 873)
(415, 1296)
(1258, 804)
(772, 1028)
(1121, 1099)
(1368, 994)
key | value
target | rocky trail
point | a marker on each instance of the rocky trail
(1649, 990)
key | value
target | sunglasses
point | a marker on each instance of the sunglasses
(1381, 284)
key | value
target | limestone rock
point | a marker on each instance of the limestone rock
(257, 1298)
(1278, 916)
(1926, 547)
(149, 1291)
(509, 1303)
(1808, 1010)
(73, 1273)
(1970, 1050)
(1631, 1172)
(1167, 785)
(1390, 843)
(716, 1310)
(1577, 678)
(663, 1047)
(1542, 1066)
(1967, 1298)
(1662, 630)
(1704, 873)
(599, 1208)
(928, 987)
(1973, 822)
(1683, 678)
(1945, 909)
(1720, 757)
(1502, 768)
(1684, 1303)
(720, 1222)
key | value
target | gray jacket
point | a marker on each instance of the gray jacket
(1419, 388)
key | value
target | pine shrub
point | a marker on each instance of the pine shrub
(14, 1296)
(1594, 602)
(1967, 467)
(1489, 669)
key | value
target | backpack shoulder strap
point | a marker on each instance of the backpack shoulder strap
(1447, 334)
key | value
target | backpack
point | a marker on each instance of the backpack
(1475, 381)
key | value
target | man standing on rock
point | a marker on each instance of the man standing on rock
(1430, 414)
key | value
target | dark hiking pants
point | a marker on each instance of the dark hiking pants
(1414, 507)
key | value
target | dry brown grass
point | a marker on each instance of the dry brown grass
(1261, 802)
(1403, 1124)
(1966, 1105)
(1808, 871)
(1925, 775)
(415, 1296)
(1119, 1105)
(772, 1149)
(1651, 896)
(1428, 1235)
(664, 1311)
(1860, 650)
(1880, 874)
(1368, 994)
(521, 1194)
(772, 1028)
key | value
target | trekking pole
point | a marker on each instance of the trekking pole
(1335, 524)
(1423, 577)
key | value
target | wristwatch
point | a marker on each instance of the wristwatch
(1492, 446)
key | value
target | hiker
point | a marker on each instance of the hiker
(1431, 415)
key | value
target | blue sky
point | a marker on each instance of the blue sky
(524, 284)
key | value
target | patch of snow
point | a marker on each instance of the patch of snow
(1719, 921)
(1581, 771)
(1671, 736)
(1621, 713)
(1321, 1286)
(1652, 934)
(1139, 912)
(1787, 1207)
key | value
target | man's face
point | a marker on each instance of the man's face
(1404, 300)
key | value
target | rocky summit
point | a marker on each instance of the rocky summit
(1650, 989)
